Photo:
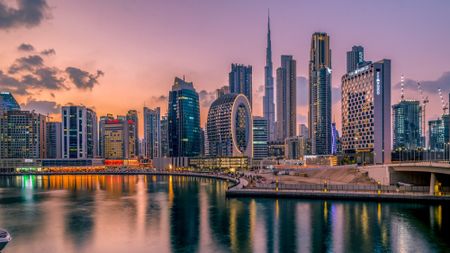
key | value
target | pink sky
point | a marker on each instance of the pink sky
(142, 45)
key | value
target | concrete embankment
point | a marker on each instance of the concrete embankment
(404, 197)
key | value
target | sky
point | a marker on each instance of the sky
(116, 55)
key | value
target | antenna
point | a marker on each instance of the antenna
(402, 84)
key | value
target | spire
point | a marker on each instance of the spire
(402, 84)
(269, 42)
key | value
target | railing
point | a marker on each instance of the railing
(349, 188)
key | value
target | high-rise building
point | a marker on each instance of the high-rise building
(80, 137)
(229, 126)
(202, 142)
(268, 99)
(152, 132)
(320, 94)
(22, 135)
(334, 138)
(303, 130)
(366, 114)
(53, 140)
(8, 102)
(101, 142)
(260, 138)
(118, 138)
(184, 120)
(222, 91)
(296, 147)
(286, 98)
(436, 135)
(205, 137)
(407, 125)
(355, 59)
(240, 80)
(164, 136)
(133, 116)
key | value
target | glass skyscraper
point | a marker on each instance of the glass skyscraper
(183, 120)
(407, 125)
(240, 80)
(152, 132)
(286, 123)
(320, 94)
(260, 138)
(8, 102)
(268, 99)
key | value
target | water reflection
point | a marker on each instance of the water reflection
(180, 214)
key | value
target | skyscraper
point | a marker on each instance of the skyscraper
(53, 140)
(436, 135)
(334, 138)
(407, 125)
(320, 94)
(366, 113)
(80, 136)
(22, 135)
(240, 80)
(164, 136)
(303, 130)
(152, 132)
(268, 100)
(355, 59)
(133, 115)
(8, 102)
(101, 142)
(286, 98)
(229, 126)
(118, 138)
(184, 120)
(260, 138)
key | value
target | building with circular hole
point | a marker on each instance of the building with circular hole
(229, 126)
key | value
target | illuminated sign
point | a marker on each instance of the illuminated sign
(378, 84)
(359, 70)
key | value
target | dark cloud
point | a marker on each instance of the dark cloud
(28, 63)
(49, 51)
(29, 13)
(41, 106)
(25, 47)
(158, 99)
(83, 79)
(428, 86)
(206, 98)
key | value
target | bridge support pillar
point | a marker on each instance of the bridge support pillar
(432, 183)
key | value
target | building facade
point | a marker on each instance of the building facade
(164, 136)
(230, 127)
(118, 139)
(366, 115)
(407, 125)
(320, 94)
(260, 138)
(53, 140)
(183, 120)
(240, 80)
(286, 98)
(133, 116)
(80, 137)
(355, 59)
(22, 135)
(152, 132)
(268, 99)
(296, 147)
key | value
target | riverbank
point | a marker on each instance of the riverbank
(356, 196)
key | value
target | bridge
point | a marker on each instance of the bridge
(434, 174)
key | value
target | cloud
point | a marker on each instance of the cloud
(206, 98)
(41, 106)
(25, 47)
(28, 63)
(428, 86)
(29, 13)
(83, 79)
(49, 51)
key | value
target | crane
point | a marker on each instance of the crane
(402, 83)
(425, 101)
(444, 105)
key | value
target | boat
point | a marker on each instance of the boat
(5, 238)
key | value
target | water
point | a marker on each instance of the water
(180, 214)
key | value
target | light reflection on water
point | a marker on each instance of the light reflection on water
(99, 213)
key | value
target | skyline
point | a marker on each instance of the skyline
(139, 64)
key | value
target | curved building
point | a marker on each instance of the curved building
(230, 127)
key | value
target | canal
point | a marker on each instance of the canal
(137, 213)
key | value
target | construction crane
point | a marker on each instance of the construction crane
(425, 101)
(444, 105)
(402, 83)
